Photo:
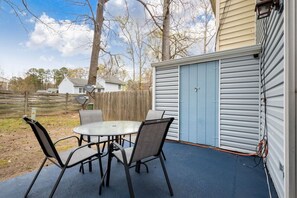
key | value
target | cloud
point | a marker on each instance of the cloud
(119, 2)
(64, 36)
(46, 58)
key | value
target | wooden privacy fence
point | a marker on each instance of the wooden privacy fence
(124, 105)
(14, 104)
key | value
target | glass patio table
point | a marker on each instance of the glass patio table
(108, 128)
(112, 129)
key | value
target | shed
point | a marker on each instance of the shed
(214, 98)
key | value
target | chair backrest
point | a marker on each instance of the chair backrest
(150, 138)
(90, 116)
(153, 114)
(44, 139)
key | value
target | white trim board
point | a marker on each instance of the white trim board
(290, 20)
(214, 56)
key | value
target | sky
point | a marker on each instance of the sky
(26, 43)
(23, 48)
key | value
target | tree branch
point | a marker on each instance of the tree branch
(151, 14)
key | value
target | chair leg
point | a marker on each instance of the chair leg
(90, 165)
(130, 140)
(102, 182)
(166, 176)
(90, 161)
(103, 147)
(81, 168)
(163, 154)
(137, 167)
(58, 181)
(80, 140)
(128, 177)
(100, 164)
(42, 164)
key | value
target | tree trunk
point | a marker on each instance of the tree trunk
(205, 32)
(166, 27)
(205, 28)
(96, 42)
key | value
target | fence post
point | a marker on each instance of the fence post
(26, 103)
(66, 108)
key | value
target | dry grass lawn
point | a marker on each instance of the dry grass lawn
(19, 149)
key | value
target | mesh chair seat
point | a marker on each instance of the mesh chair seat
(148, 146)
(82, 154)
(119, 156)
(151, 115)
(91, 116)
(63, 160)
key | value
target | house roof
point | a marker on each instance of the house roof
(78, 82)
(113, 80)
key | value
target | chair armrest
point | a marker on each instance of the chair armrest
(65, 138)
(122, 151)
(118, 146)
(80, 147)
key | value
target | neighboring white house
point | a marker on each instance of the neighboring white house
(76, 85)
(110, 84)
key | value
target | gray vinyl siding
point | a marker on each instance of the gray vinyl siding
(239, 103)
(166, 96)
(272, 72)
(238, 89)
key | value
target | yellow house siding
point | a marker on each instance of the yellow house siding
(236, 22)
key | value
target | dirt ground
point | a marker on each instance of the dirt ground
(19, 150)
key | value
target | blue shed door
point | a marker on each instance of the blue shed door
(199, 103)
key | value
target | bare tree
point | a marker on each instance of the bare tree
(208, 30)
(164, 28)
(134, 34)
(98, 23)
(128, 40)
(97, 20)
(179, 33)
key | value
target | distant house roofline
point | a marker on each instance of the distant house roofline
(113, 80)
(79, 82)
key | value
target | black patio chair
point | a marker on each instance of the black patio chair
(63, 160)
(148, 145)
(91, 116)
(151, 115)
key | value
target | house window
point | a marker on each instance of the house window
(81, 90)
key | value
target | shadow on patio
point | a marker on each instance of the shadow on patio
(193, 172)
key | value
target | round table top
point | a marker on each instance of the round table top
(108, 128)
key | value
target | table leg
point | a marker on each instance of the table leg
(137, 167)
(90, 163)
